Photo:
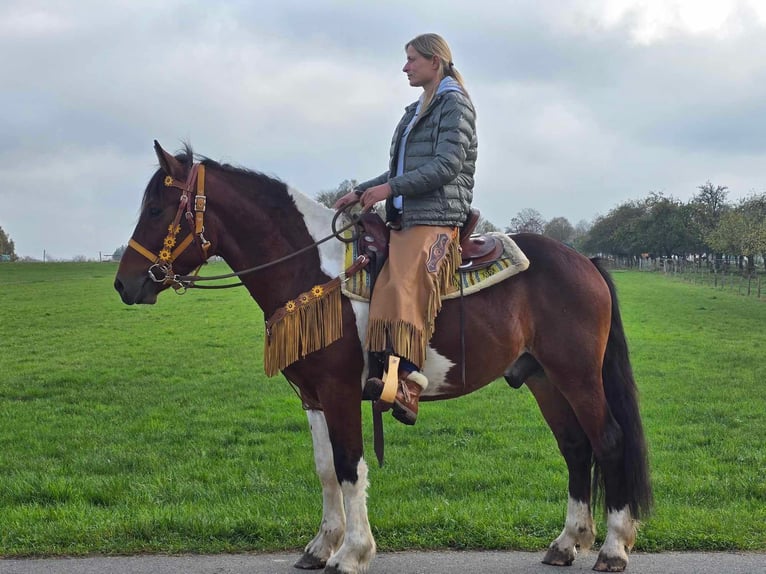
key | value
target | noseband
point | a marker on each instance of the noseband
(161, 270)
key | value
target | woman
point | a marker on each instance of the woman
(428, 190)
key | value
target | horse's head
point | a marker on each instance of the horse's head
(168, 240)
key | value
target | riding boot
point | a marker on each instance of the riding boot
(405, 407)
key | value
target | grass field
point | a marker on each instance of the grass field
(133, 429)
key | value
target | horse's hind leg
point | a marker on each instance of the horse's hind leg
(333, 526)
(589, 403)
(579, 530)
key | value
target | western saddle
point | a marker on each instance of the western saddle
(478, 250)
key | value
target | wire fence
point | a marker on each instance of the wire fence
(724, 275)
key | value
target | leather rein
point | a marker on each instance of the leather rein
(161, 270)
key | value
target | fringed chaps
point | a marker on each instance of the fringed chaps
(407, 297)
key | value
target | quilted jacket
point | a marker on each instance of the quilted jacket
(439, 164)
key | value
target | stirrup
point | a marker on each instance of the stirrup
(390, 380)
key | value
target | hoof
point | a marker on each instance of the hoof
(557, 557)
(309, 562)
(332, 570)
(610, 564)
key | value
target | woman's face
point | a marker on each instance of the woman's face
(422, 72)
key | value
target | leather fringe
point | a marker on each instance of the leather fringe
(306, 324)
(445, 283)
(405, 338)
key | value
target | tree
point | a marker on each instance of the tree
(741, 231)
(118, 253)
(615, 232)
(559, 228)
(527, 221)
(580, 236)
(664, 229)
(485, 226)
(754, 240)
(330, 196)
(707, 208)
(709, 204)
(7, 247)
(724, 239)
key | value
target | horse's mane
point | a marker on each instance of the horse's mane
(273, 191)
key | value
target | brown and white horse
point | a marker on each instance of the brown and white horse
(555, 327)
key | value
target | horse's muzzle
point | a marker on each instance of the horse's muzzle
(136, 292)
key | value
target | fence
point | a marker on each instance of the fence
(725, 275)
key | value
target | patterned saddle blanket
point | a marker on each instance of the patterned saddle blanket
(509, 262)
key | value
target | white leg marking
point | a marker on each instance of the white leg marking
(620, 536)
(333, 524)
(362, 313)
(358, 546)
(579, 530)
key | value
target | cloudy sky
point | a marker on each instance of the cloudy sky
(582, 104)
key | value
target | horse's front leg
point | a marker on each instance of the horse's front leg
(344, 426)
(332, 529)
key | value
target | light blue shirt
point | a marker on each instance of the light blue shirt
(448, 84)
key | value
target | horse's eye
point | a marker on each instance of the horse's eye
(155, 211)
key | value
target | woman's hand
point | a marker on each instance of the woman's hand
(349, 199)
(373, 195)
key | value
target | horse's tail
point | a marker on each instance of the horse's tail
(622, 397)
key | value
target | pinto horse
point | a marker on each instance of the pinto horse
(555, 327)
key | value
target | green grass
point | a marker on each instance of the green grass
(135, 429)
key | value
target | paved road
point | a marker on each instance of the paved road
(392, 563)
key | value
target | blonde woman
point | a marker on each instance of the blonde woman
(428, 190)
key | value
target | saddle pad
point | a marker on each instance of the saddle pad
(512, 261)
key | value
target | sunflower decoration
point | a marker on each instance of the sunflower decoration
(290, 306)
(317, 291)
(174, 229)
(304, 298)
(168, 181)
(169, 242)
(165, 254)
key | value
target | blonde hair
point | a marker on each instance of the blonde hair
(430, 45)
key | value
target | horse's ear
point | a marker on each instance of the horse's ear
(169, 164)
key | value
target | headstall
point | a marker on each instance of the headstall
(161, 270)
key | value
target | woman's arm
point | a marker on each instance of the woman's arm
(356, 193)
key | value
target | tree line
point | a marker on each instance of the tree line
(7, 247)
(707, 228)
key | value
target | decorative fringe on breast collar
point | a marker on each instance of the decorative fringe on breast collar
(308, 323)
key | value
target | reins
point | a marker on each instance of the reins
(188, 280)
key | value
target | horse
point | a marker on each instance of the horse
(556, 327)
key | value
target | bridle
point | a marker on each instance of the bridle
(161, 270)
